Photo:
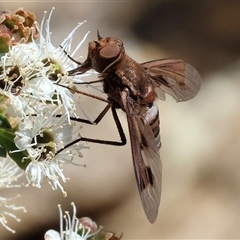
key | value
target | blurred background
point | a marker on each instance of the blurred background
(200, 138)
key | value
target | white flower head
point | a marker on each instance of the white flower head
(42, 136)
(35, 81)
(35, 72)
(73, 228)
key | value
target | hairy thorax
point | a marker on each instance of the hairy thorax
(128, 74)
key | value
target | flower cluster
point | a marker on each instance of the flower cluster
(16, 27)
(82, 229)
(37, 102)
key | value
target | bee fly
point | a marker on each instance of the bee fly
(134, 87)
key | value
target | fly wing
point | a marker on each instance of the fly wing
(175, 77)
(146, 158)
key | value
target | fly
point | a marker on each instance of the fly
(134, 88)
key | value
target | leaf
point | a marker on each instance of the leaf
(3, 151)
(7, 145)
(4, 123)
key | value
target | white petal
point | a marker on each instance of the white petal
(34, 174)
(52, 235)
(23, 139)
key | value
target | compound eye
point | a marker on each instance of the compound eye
(110, 52)
(105, 57)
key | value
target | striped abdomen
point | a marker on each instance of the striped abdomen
(151, 117)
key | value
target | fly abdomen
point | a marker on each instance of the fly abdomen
(151, 117)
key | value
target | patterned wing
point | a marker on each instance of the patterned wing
(145, 153)
(175, 77)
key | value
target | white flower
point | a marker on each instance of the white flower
(42, 136)
(73, 228)
(8, 175)
(31, 73)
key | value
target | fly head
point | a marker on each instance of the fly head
(104, 53)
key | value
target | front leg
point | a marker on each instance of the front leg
(91, 82)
